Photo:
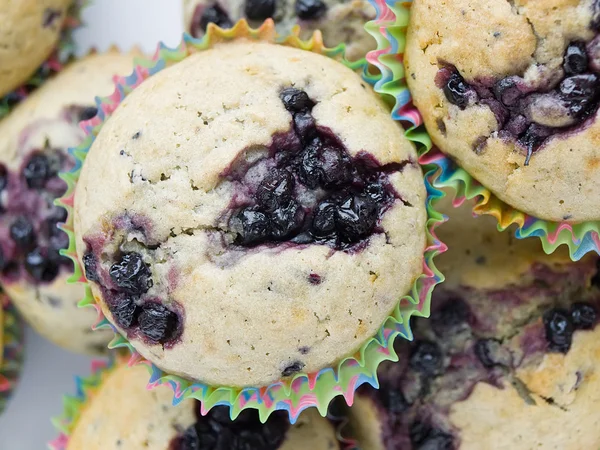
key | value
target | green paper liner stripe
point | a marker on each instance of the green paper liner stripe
(63, 54)
(303, 390)
(13, 350)
(389, 29)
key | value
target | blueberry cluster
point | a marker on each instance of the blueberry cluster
(352, 195)
(528, 116)
(27, 210)
(258, 10)
(132, 278)
(216, 431)
(560, 325)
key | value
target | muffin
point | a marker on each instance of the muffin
(123, 415)
(510, 90)
(340, 21)
(11, 349)
(243, 228)
(509, 358)
(30, 31)
(34, 140)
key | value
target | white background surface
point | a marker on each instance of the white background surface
(49, 372)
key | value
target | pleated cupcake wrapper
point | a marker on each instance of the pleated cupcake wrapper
(389, 29)
(303, 390)
(64, 52)
(86, 387)
(12, 357)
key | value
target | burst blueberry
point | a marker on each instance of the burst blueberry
(217, 15)
(40, 267)
(295, 100)
(310, 9)
(292, 369)
(157, 323)
(275, 190)
(426, 358)
(255, 227)
(356, 217)
(37, 171)
(324, 219)
(87, 113)
(456, 90)
(286, 220)
(125, 310)
(583, 316)
(259, 9)
(576, 59)
(90, 267)
(559, 330)
(131, 274)
(22, 233)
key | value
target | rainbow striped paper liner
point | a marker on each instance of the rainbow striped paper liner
(389, 28)
(11, 360)
(64, 52)
(86, 387)
(303, 390)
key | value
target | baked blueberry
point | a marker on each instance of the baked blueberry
(37, 171)
(310, 9)
(131, 274)
(292, 368)
(22, 233)
(87, 113)
(157, 323)
(426, 358)
(355, 217)
(393, 400)
(456, 90)
(286, 220)
(425, 437)
(559, 330)
(40, 267)
(275, 190)
(583, 316)
(295, 100)
(217, 15)
(125, 310)
(323, 224)
(255, 226)
(576, 59)
(259, 9)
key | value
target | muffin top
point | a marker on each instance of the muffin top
(340, 21)
(247, 226)
(500, 359)
(510, 90)
(30, 32)
(122, 414)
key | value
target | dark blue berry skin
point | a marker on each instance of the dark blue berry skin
(259, 9)
(559, 330)
(426, 358)
(295, 100)
(37, 171)
(157, 323)
(507, 91)
(275, 190)
(456, 90)
(311, 171)
(394, 400)
(355, 217)
(215, 14)
(310, 9)
(576, 59)
(292, 369)
(286, 220)
(323, 224)
(450, 317)
(425, 437)
(131, 274)
(22, 233)
(40, 267)
(256, 227)
(581, 91)
(189, 440)
(90, 267)
(583, 316)
(125, 310)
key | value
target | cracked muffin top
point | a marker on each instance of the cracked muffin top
(30, 31)
(340, 21)
(510, 90)
(508, 356)
(123, 415)
(246, 227)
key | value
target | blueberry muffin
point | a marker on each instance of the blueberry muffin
(340, 21)
(29, 34)
(246, 227)
(33, 149)
(508, 360)
(123, 415)
(510, 90)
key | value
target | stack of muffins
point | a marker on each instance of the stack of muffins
(251, 215)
